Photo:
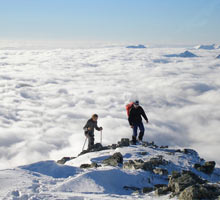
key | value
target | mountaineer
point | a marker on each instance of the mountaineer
(135, 113)
(89, 130)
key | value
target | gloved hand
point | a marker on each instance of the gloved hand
(100, 128)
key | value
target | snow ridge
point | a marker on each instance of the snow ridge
(142, 172)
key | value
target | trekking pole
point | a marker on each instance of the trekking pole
(101, 137)
(84, 144)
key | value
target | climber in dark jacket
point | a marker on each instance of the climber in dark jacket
(135, 121)
(89, 130)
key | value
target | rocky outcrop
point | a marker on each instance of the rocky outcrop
(198, 191)
(64, 160)
(149, 144)
(162, 190)
(207, 168)
(114, 160)
(190, 151)
(131, 188)
(148, 165)
(153, 163)
(133, 164)
(186, 185)
(87, 166)
(124, 142)
(179, 182)
(160, 171)
(147, 189)
(96, 147)
(164, 147)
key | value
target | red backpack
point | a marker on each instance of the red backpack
(128, 107)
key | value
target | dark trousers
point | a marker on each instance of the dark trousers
(141, 128)
(91, 140)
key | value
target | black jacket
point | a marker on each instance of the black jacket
(91, 124)
(135, 115)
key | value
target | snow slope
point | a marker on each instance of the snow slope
(48, 180)
(48, 95)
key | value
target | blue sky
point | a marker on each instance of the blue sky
(142, 21)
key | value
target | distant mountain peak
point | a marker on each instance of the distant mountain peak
(140, 46)
(207, 47)
(186, 54)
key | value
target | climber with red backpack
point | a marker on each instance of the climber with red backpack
(135, 113)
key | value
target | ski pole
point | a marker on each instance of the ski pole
(84, 143)
(101, 137)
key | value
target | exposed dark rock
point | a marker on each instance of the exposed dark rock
(158, 161)
(131, 188)
(159, 185)
(160, 171)
(86, 166)
(153, 163)
(124, 142)
(164, 147)
(148, 144)
(207, 168)
(96, 147)
(178, 182)
(147, 166)
(162, 190)
(170, 153)
(147, 190)
(114, 146)
(197, 166)
(129, 165)
(133, 164)
(64, 160)
(143, 153)
(114, 160)
(190, 151)
(218, 57)
(175, 174)
(198, 191)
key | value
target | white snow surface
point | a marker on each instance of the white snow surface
(48, 180)
(48, 95)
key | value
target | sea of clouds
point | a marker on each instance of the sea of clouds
(48, 95)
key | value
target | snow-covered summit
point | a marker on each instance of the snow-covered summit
(143, 171)
(207, 47)
(140, 46)
(185, 54)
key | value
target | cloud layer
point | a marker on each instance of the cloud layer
(48, 95)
